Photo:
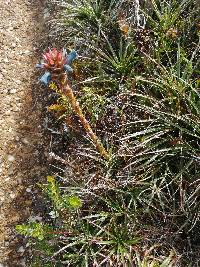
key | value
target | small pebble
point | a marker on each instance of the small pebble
(21, 249)
(11, 158)
(28, 190)
(35, 219)
(2, 199)
(46, 13)
(7, 112)
(18, 81)
(17, 138)
(19, 180)
(13, 91)
(53, 214)
(6, 245)
(12, 195)
(25, 141)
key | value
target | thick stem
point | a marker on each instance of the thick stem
(67, 90)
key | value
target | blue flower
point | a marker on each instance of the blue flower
(67, 68)
(72, 55)
(46, 77)
(39, 66)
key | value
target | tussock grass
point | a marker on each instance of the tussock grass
(137, 79)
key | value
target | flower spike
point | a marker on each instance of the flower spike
(56, 62)
(57, 66)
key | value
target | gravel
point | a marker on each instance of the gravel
(21, 26)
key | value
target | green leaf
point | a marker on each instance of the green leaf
(74, 202)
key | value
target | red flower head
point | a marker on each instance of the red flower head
(55, 61)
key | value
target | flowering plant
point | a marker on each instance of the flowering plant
(57, 65)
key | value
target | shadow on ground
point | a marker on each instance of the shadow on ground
(29, 149)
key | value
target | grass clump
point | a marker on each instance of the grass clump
(137, 82)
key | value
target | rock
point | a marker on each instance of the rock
(53, 214)
(7, 112)
(26, 52)
(25, 141)
(17, 138)
(11, 158)
(12, 91)
(21, 249)
(46, 13)
(18, 81)
(6, 244)
(35, 219)
(12, 195)
(16, 109)
(28, 190)
(19, 180)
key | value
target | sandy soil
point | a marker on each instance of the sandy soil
(21, 145)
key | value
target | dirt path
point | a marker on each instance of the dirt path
(21, 25)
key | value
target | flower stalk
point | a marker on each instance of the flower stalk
(57, 66)
(68, 92)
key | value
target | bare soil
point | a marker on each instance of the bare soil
(22, 162)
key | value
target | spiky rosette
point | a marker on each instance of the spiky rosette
(56, 62)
